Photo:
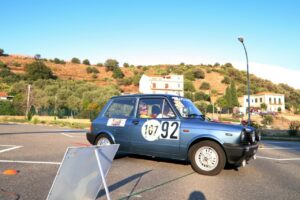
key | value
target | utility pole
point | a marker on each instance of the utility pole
(28, 99)
(241, 39)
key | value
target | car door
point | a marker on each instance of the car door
(119, 116)
(155, 133)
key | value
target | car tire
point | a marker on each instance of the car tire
(103, 140)
(207, 158)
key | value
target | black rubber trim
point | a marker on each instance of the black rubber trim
(237, 153)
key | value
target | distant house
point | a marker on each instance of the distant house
(274, 102)
(170, 84)
(5, 97)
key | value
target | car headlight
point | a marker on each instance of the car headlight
(252, 136)
(243, 136)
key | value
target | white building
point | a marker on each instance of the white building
(274, 102)
(170, 84)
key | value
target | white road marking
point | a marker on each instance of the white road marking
(65, 134)
(278, 159)
(30, 162)
(12, 147)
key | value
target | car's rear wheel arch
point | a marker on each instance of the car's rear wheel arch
(104, 134)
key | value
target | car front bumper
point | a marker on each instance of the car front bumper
(236, 154)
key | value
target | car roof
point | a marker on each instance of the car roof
(146, 95)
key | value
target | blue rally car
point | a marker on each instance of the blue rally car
(171, 126)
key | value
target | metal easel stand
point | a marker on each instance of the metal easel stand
(102, 174)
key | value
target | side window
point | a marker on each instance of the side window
(121, 108)
(167, 112)
(150, 108)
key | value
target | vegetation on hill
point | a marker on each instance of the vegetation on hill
(57, 86)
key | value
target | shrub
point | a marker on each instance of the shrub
(117, 73)
(226, 80)
(189, 75)
(38, 70)
(90, 70)
(294, 128)
(125, 81)
(267, 120)
(58, 61)
(99, 64)
(189, 86)
(75, 60)
(126, 65)
(201, 96)
(94, 76)
(208, 70)
(86, 62)
(199, 74)
(1, 52)
(205, 86)
(111, 64)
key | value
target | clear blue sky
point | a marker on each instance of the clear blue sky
(154, 31)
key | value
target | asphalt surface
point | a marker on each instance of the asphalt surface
(36, 151)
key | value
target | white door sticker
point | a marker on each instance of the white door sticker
(116, 122)
(151, 130)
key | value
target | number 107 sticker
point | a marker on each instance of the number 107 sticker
(153, 130)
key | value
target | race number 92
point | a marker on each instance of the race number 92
(170, 130)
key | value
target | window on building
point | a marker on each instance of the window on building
(279, 100)
(270, 100)
(153, 85)
(246, 100)
(274, 100)
(166, 85)
(255, 100)
(121, 108)
(260, 100)
(178, 85)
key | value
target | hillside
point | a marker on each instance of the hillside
(101, 83)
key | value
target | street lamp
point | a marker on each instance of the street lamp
(241, 39)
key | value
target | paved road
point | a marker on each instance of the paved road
(37, 150)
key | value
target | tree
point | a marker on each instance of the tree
(86, 62)
(205, 86)
(228, 98)
(234, 99)
(75, 60)
(38, 70)
(263, 106)
(111, 64)
(189, 86)
(117, 73)
(99, 64)
(126, 65)
(1, 52)
(199, 74)
(189, 75)
(226, 80)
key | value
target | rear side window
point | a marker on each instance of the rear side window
(121, 108)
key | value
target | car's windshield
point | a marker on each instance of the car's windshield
(186, 108)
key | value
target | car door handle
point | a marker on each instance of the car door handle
(135, 122)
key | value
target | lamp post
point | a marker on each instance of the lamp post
(241, 39)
